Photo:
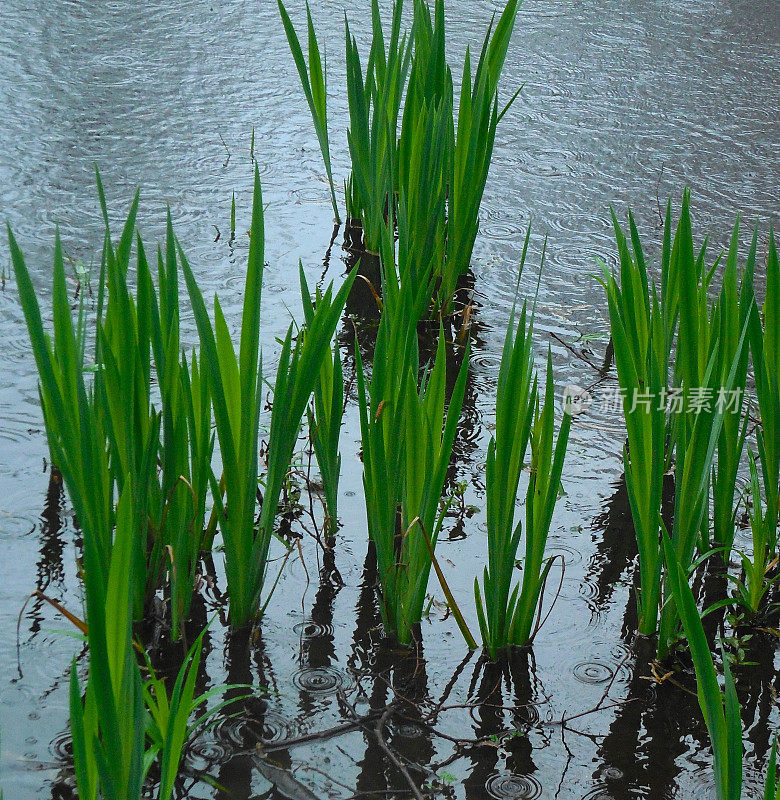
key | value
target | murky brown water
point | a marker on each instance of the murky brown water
(622, 103)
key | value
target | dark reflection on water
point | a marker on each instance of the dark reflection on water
(622, 103)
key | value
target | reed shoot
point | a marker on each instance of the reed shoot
(720, 708)
(315, 88)
(324, 418)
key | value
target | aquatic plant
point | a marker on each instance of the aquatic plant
(547, 458)
(173, 718)
(506, 613)
(640, 338)
(187, 441)
(720, 708)
(407, 439)
(122, 725)
(324, 417)
(765, 350)
(478, 118)
(315, 88)
(516, 395)
(727, 320)
(374, 108)
(74, 427)
(772, 784)
(237, 390)
(108, 725)
(751, 591)
(710, 364)
(429, 175)
(102, 426)
(675, 423)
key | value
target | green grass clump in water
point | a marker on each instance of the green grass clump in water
(407, 439)
(641, 340)
(506, 612)
(324, 417)
(429, 175)
(721, 709)
(108, 726)
(709, 361)
(237, 389)
(121, 725)
(102, 426)
(727, 320)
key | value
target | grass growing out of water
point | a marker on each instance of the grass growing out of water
(108, 726)
(687, 422)
(721, 709)
(374, 108)
(103, 435)
(187, 442)
(506, 612)
(732, 309)
(640, 341)
(407, 438)
(547, 457)
(315, 87)
(237, 389)
(105, 431)
(765, 349)
(477, 121)
(324, 417)
(121, 725)
(430, 174)
(515, 400)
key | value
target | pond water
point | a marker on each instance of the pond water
(623, 103)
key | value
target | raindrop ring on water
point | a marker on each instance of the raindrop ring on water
(320, 680)
(592, 672)
(508, 786)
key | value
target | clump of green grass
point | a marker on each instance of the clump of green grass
(407, 438)
(108, 726)
(729, 315)
(102, 426)
(675, 343)
(237, 389)
(324, 417)
(547, 458)
(506, 610)
(720, 708)
(516, 398)
(427, 174)
(641, 338)
(121, 725)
